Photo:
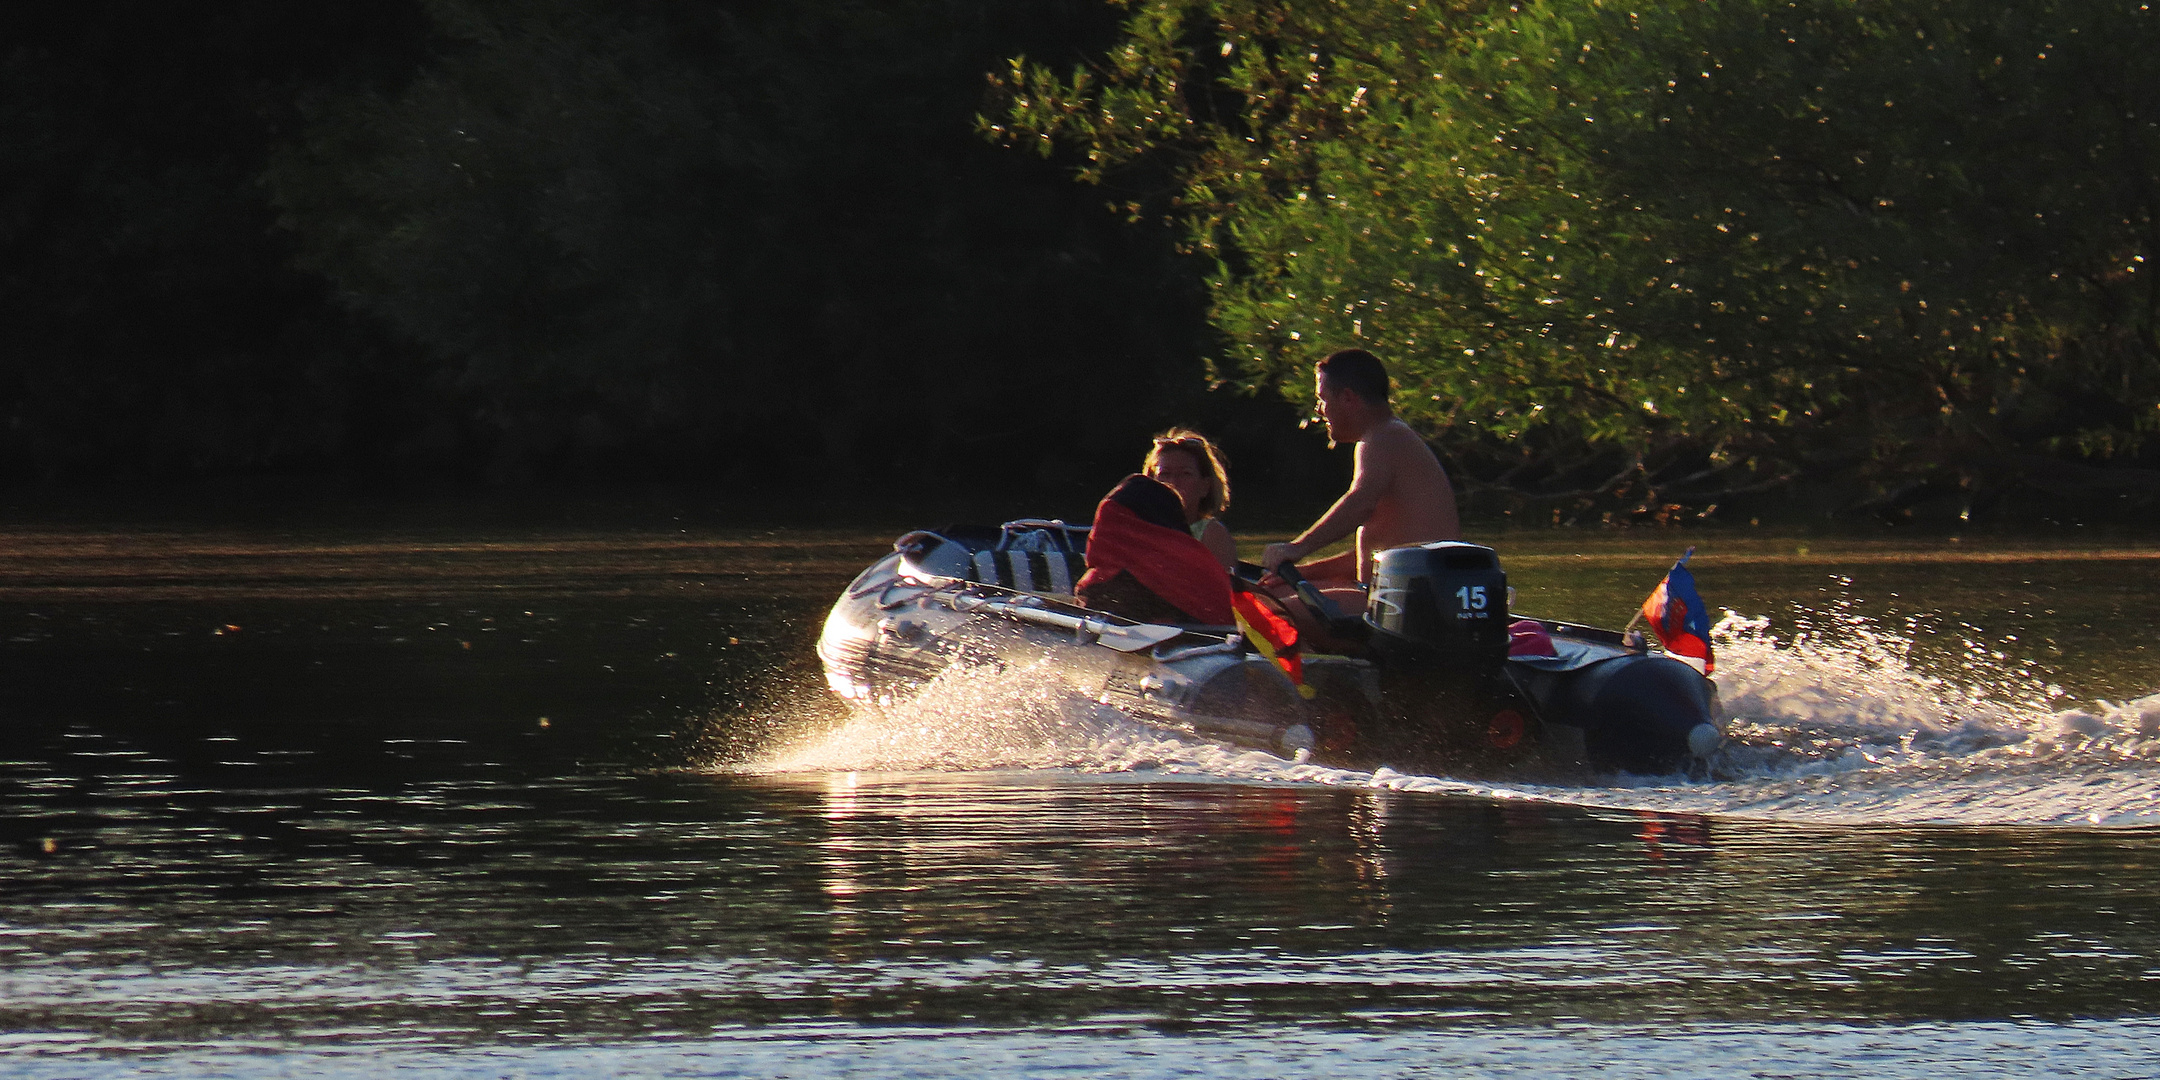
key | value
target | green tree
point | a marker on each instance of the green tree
(1676, 253)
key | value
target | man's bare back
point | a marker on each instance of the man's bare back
(1417, 502)
(1398, 493)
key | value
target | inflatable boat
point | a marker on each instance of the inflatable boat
(1444, 678)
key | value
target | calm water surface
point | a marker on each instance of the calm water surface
(576, 804)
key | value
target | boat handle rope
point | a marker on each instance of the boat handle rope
(1529, 700)
(885, 601)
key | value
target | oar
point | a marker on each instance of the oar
(1126, 639)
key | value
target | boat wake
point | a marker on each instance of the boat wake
(1835, 720)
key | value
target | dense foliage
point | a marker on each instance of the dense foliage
(753, 243)
(1621, 257)
(708, 230)
(1671, 252)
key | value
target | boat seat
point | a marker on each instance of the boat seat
(1054, 572)
(1030, 555)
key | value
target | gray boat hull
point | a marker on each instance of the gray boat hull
(913, 616)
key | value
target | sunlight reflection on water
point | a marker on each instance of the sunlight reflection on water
(1979, 1050)
(481, 836)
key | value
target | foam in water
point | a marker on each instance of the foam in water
(1838, 720)
(974, 719)
(1842, 720)
(965, 719)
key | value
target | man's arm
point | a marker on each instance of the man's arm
(1341, 566)
(1369, 479)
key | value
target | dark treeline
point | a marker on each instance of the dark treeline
(752, 244)
(155, 324)
(772, 244)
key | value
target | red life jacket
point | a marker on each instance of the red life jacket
(1167, 560)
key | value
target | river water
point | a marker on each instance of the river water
(573, 803)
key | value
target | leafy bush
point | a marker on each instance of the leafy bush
(1671, 252)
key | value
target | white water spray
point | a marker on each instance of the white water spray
(1838, 720)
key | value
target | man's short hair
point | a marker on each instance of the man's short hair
(1357, 371)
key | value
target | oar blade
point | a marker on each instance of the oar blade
(1130, 639)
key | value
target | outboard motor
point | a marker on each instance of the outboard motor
(1438, 617)
(1443, 603)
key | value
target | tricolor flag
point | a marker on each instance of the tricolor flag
(1274, 636)
(1676, 615)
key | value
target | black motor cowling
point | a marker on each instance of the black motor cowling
(1443, 602)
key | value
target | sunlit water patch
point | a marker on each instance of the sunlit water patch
(460, 826)
(1835, 719)
(2099, 1048)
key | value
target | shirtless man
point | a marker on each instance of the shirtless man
(1398, 494)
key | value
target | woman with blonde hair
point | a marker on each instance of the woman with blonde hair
(1184, 461)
